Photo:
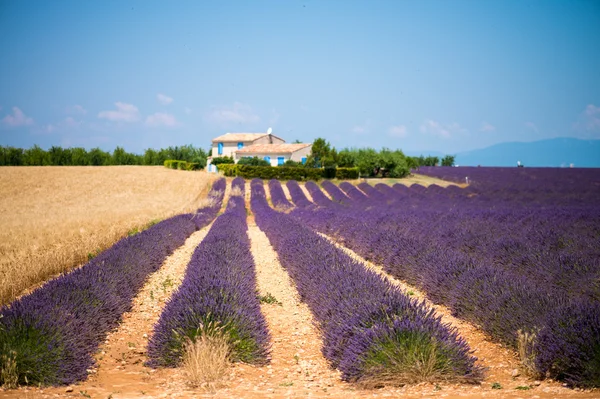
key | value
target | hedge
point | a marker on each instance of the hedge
(290, 173)
(181, 165)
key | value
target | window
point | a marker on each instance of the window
(303, 160)
(220, 148)
(240, 146)
(280, 161)
(267, 158)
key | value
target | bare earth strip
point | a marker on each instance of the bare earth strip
(120, 369)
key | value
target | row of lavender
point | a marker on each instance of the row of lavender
(477, 261)
(557, 186)
(217, 295)
(371, 331)
(49, 337)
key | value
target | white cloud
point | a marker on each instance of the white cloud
(49, 128)
(487, 127)
(18, 118)
(160, 119)
(443, 130)
(589, 119)
(359, 129)
(76, 109)
(238, 113)
(163, 99)
(532, 126)
(124, 113)
(187, 110)
(71, 122)
(398, 131)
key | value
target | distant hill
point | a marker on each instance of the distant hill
(559, 152)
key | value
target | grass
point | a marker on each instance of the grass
(57, 218)
(207, 358)
(269, 299)
(525, 345)
(408, 358)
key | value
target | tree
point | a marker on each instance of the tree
(321, 154)
(79, 156)
(346, 158)
(448, 160)
(36, 156)
(97, 157)
(366, 161)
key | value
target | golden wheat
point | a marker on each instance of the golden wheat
(53, 218)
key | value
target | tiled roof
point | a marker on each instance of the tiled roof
(285, 148)
(238, 137)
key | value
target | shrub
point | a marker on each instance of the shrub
(222, 160)
(329, 172)
(269, 172)
(253, 161)
(347, 173)
(568, 347)
(181, 165)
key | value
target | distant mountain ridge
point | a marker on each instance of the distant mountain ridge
(559, 152)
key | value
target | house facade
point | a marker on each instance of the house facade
(276, 154)
(227, 144)
(265, 146)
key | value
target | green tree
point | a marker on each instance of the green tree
(35, 156)
(367, 162)
(448, 160)
(97, 157)
(321, 155)
(79, 157)
(346, 158)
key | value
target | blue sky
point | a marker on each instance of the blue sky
(445, 76)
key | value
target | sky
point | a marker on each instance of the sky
(440, 76)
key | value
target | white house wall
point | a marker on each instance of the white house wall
(302, 153)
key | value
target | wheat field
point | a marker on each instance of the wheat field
(54, 218)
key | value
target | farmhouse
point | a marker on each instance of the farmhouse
(266, 146)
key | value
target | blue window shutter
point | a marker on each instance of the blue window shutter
(303, 160)
(240, 146)
(267, 158)
(280, 160)
(220, 148)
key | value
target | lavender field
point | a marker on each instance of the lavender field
(516, 253)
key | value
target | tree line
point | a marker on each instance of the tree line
(370, 162)
(78, 156)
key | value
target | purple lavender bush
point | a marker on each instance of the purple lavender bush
(278, 197)
(503, 254)
(52, 333)
(298, 197)
(371, 331)
(334, 191)
(568, 347)
(219, 289)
